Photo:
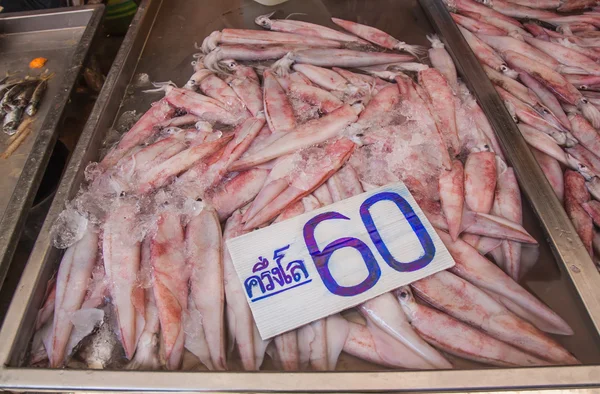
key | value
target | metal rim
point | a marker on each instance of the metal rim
(162, 381)
(490, 379)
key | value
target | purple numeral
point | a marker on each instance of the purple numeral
(415, 224)
(321, 258)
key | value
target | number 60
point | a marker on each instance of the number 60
(321, 258)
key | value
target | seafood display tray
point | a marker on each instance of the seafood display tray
(63, 36)
(158, 46)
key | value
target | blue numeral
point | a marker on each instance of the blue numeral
(415, 224)
(321, 258)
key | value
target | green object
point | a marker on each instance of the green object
(119, 14)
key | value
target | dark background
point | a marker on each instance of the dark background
(29, 5)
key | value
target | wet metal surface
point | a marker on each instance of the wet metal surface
(63, 37)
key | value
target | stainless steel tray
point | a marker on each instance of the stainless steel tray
(160, 44)
(63, 36)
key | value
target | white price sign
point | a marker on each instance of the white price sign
(336, 257)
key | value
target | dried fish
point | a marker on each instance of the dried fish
(36, 98)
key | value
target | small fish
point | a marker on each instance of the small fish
(101, 349)
(12, 120)
(10, 94)
(22, 99)
(36, 98)
(6, 86)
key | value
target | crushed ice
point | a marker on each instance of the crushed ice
(68, 228)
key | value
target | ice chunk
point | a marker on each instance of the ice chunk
(102, 349)
(92, 205)
(84, 321)
(127, 120)
(141, 79)
(92, 171)
(68, 228)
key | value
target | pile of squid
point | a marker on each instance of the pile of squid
(329, 115)
(545, 67)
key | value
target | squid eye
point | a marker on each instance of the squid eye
(404, 294)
